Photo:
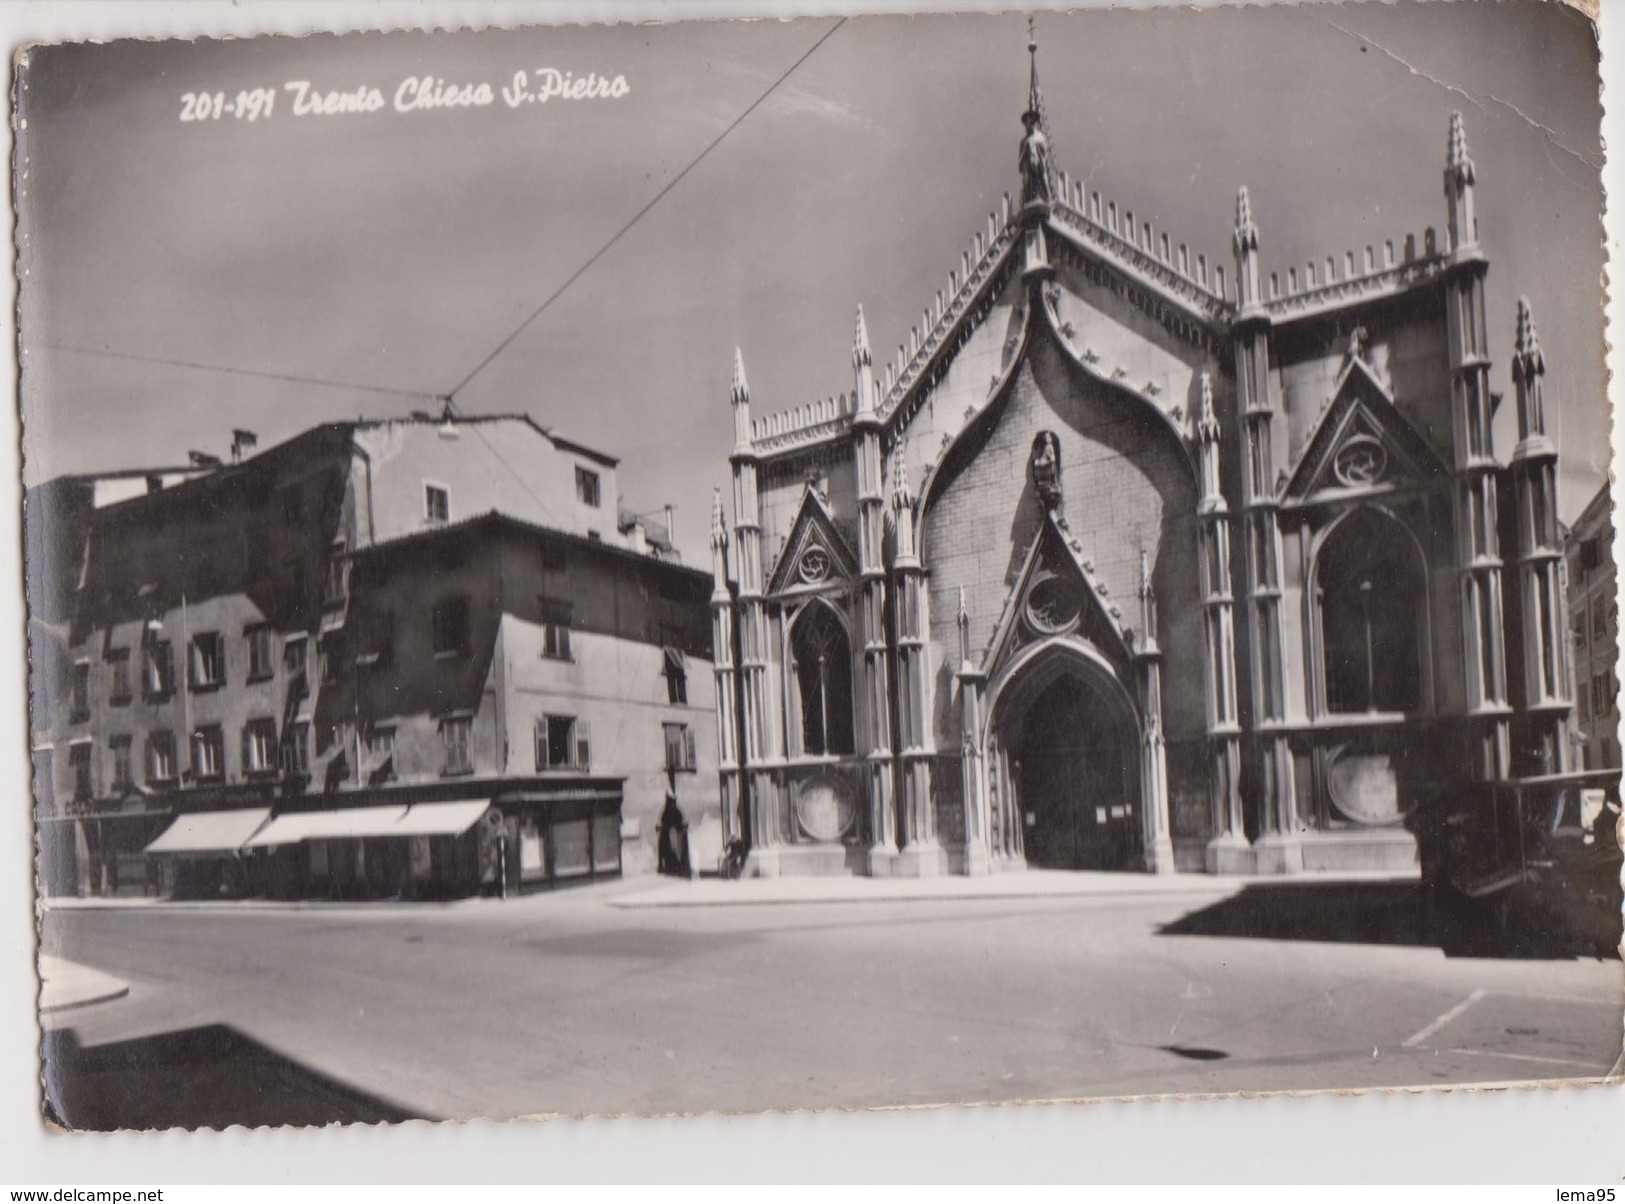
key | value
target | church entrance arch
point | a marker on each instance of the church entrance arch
(1065, 754)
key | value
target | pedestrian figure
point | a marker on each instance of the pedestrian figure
(673, 839)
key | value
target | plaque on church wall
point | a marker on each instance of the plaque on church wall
(711, 566)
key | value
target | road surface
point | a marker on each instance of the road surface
(565, 1004)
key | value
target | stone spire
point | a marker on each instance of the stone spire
(1459, 179)
(1246, 244)
(962, 619)
(1037, 169)
(1527, 362)
(740, 396)
(719, 528)
(1148, 603)
(741, 387)
(864, 395)
(902, 500)
(1528, 366)
(1207, 422)
(719, 549)
(1459, 163)
(901, 496)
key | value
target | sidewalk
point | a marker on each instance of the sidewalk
(65, 984)
(1028, 884)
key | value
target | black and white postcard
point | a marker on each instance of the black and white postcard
(848, 562)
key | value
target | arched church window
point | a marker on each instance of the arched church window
(821, 658)
(1372, 596)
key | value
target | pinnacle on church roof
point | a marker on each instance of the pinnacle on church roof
(1528, 361)
(1246, 231)
(1460, 163)
(1035, 96)
(860, 342)
(719, 528)
(1207, 422)
(901, 497)
(741, 389)
(1145, 573)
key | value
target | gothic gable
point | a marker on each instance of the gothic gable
(1056, 595)
(1361, 443)
(814, 556)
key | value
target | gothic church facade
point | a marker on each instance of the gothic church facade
(1124, 565)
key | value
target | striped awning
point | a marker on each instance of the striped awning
(351, 822)
(441, 819)
(210, 831)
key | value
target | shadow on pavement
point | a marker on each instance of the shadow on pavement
(1374, 913)
(207, 1077)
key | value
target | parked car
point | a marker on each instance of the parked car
(1527, 867)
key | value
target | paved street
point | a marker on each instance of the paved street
(564, 1003)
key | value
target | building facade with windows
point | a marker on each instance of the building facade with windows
(1133, 559)
(442, 617)
(1593, 584)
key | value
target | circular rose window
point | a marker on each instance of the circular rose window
(1360, 461)
(1053, 606)
(824, 809)
(814, 565)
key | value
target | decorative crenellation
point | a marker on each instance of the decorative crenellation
(1142, 248)
(952, 315)
(1338, 280)
(805, 424)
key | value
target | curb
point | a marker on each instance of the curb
(65, 984)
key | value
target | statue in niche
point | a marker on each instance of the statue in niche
(1045, 465)
(1034, 164)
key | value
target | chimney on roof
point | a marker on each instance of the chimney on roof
(241, 441)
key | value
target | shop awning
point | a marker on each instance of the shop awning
(351, 823)
(442, 819)
(210, 831)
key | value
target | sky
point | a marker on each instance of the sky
(394, 254)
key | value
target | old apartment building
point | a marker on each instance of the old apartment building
(1135, 559)
(1594, 611)
(422, 655)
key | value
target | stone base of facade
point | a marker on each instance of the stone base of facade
(1276, 854)
(1374, 849)
(1159, 858)
(809, 861)
(1230, 854)
(921, 861)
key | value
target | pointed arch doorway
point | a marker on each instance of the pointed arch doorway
(1064, 751)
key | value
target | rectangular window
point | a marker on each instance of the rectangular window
(295, 654)
(562, 742)
(328, 661)
(676, 676)
(161, 757)
(587, 487)
(296, 749)
(436, 504)
(123, 780)
(451, 627)
(158, 669)
(208, 666)
(556, 618)
(337, 588)
(457, 735)
(259, 747)
(79, 689)
(260, 664)
(375, 640)
(79, 762)
(380, 754)
(208, 754)
(680, 753)
(118, 665)
(1599, 620)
